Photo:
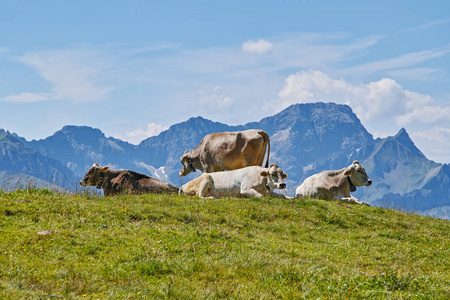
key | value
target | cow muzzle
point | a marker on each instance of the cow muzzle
(82, 183)
(369, 182)
(282, 185)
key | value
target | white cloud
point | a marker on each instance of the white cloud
(27, 97)
(259, 47)
(214, 98)
(402, 61)
(426, 115)
(74, 74)
(424, 26)
(439, 134)
(383, 106)
(418, 74)
(376, 103)
(138, 135)
(436, 140)
(376, 100)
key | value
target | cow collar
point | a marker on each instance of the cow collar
(352, 186)
(266, 185)
(100, 180)
(191, 166)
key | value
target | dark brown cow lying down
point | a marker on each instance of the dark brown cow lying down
(124, 182)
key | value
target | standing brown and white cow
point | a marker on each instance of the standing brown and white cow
(227, 151)
(335, 185)
(124, 181)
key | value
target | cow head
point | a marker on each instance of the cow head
(186, 164)
(274, 177)
(94, 176)
(357, 174)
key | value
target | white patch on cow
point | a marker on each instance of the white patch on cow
(159, 173)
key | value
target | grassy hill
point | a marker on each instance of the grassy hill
(151, 246)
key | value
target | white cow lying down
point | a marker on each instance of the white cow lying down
(254, 181)
(337, 185)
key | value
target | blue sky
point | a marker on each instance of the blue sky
(134, 68)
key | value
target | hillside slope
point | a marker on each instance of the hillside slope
(176, 247)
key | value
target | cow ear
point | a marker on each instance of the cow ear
(284, 176)
(348, 171)
(264, 173)
(105, 169)
(185, 155)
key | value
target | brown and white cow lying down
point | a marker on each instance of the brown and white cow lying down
(124, 182)
(253, 181)
(337, 185)
(227, 151)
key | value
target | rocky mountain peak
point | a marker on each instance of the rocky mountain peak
(403, 138)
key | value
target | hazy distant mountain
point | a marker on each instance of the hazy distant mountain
(16, 156)
(305, 139)
(434, 192)
(78, 147)
(395, 165)
(11, 181)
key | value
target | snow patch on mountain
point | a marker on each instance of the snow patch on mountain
(159, 173)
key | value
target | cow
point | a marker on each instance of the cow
(227, 151)
(337, 185)
(124, 182)
(253, 181)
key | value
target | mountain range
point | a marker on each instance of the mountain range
(305, 139)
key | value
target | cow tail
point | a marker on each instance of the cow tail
(266, 137)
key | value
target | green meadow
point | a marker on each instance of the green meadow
(176, 247)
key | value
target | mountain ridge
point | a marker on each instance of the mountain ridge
(16, 156)
(305, 139)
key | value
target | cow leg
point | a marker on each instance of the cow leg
(206, 187)
(351, 199)
(251, 193)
